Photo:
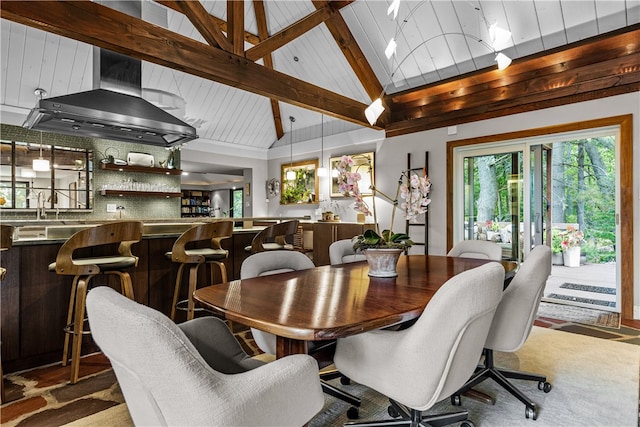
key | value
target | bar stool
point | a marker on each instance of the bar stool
(274, 237)
(123, 233)
(213, 254)
(6, 242)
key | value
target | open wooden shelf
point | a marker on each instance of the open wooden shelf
(121, 193)
(143, 169)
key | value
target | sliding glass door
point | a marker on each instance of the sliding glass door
(557, 190)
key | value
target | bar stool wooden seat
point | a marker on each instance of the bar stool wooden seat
(275, 237)
(185, 253)
(122, 233)
(6, 242)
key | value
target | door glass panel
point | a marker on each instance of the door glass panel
(583, 204)
(492, 195)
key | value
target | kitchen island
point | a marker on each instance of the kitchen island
(34, 301)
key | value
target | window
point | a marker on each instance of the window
(237, 202)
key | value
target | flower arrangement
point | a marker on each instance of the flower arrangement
(571, 238)
(413, 190)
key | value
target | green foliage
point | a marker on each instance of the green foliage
(297, 191)
(388, 240)
(556, 241)
(588, 198)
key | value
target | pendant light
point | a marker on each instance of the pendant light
(322, 171)
(291, 174)
(41, 164)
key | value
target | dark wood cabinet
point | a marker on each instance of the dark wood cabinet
(325, 233)
(34, 301)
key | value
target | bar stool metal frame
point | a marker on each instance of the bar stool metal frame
(214, 232)
(123, 233)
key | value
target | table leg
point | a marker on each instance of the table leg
(288, 346)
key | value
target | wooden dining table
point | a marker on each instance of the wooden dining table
(334, 301)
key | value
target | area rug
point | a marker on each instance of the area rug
(582, 315)
(595, 383)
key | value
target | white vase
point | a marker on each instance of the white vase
(572, 257)
(382, 262)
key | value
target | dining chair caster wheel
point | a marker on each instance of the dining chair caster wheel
(531, 413)
(393, 412)
(544, 386)
(456, 400)
(345, 380)
(353, 413)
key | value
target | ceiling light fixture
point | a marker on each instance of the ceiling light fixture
(376, 108)
(322, 171)
(41, 164)
(499, 36)
(291, 174)
(395, 6)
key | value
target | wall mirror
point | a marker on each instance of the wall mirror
(363, 163)
(66, 185)
(303, 187)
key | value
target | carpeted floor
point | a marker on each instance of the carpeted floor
(41, 397)
(595, 383)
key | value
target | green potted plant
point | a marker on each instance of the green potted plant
(556, 247)
(383, 249)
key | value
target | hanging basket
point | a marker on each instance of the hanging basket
(382, 261)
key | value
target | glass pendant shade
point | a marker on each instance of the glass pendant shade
(391, 49)
(373, 111)
(41, 165)
(503, 61)
(291, 175)
(499, 36)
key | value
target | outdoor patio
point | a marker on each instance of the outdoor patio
(590, 285)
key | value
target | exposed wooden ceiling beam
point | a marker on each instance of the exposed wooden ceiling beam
(601, 66)
(263, 33)
(235, 25)
(351, 50)
(204, 23)
(107, 28)
(248, 37)
(289, 34)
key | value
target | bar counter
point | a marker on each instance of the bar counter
(34, 301)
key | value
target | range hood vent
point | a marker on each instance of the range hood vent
(114, 109)
(102, 113)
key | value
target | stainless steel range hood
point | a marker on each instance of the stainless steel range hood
(102, 113)
(114, 109)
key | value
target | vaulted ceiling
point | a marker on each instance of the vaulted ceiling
(244, 67)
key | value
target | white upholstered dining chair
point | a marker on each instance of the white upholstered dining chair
(341, 252)
(481, 249)
(512, 325)
(427, 362)
(196, 374)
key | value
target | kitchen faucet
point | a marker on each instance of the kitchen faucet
(40, 206)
